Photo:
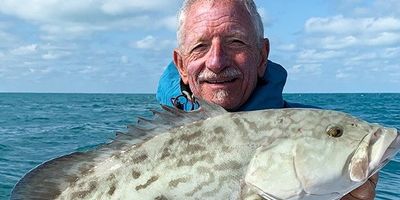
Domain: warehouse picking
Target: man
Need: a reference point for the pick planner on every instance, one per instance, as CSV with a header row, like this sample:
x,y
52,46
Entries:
x,y
222,57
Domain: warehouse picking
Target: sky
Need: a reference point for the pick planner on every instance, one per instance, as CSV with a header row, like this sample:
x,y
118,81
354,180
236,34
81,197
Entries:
x,y
123,46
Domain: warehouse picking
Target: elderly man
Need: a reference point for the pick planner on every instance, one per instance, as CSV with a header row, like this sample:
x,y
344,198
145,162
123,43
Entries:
x,y
222,57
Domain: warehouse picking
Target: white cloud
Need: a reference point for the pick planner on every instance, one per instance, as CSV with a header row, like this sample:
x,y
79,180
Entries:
x,y
152,43
335,42
386,7
25,50
391,53
342,75
50,55
356,35
88,70
341,25
360,58
58,18
118,7
364,57
312,55
385,38
306,69
169,22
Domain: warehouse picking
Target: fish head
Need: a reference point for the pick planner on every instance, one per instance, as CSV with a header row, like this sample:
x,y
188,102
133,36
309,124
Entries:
x,y
321,155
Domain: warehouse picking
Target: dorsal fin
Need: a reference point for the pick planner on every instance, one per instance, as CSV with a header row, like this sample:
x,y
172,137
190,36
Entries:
x,y
171,117
49,179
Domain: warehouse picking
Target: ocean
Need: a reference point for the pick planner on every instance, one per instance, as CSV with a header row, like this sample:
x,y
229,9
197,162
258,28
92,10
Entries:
x,y
37,127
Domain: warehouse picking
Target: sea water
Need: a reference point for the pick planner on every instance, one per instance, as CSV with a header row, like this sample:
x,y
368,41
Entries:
x,y
38,127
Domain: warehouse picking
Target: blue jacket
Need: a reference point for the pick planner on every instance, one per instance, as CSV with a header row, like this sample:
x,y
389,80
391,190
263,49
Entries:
x,y
265,96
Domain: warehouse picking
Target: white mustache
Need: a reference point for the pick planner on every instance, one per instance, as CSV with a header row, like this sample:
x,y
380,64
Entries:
x,y
227,74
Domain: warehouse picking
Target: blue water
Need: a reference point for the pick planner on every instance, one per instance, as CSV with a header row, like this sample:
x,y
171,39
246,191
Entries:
x,y
38,127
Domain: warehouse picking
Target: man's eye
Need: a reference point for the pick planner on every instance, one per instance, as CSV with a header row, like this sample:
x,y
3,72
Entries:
x,y
199,47
237,42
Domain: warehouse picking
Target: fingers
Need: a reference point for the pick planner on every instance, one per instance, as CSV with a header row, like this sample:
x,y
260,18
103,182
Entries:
x,y
374,179
365,191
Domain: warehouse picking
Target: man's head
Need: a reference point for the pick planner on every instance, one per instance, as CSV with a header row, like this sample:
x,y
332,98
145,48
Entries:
x,y
221,50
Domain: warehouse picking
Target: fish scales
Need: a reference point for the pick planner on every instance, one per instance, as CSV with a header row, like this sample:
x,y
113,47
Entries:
x,y
210,154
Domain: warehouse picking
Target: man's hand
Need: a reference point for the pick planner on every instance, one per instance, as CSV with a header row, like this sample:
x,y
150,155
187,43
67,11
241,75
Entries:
x,y
365,191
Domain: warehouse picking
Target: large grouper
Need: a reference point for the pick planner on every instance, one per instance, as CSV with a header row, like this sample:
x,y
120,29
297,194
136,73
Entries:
x,y
214,154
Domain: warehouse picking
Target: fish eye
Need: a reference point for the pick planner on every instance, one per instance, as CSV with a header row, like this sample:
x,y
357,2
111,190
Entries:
x,y
335,131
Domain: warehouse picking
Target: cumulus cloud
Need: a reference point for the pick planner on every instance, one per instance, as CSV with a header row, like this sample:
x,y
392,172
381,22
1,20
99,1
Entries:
x,y
152,43
312,55
385,38
391,52
52,55
118,7
25,50
339,32
385,7
341,75
88,70
79,17
341,25
302,70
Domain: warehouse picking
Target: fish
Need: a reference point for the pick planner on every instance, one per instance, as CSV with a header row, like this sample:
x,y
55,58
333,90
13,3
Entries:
x,y
210,153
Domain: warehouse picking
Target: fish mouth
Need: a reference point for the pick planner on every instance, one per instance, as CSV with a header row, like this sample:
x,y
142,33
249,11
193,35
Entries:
x,y
392,150
390,153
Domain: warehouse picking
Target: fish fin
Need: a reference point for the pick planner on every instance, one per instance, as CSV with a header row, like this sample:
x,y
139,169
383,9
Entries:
x,y
252,192
359,164
247,192
167,119
48,180
211,109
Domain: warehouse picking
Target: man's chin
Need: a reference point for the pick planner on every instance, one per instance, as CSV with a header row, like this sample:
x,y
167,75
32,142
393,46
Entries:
x,y
224,99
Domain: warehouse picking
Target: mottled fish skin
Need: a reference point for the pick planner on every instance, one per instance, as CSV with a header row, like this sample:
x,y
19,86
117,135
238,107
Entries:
x,y
204,159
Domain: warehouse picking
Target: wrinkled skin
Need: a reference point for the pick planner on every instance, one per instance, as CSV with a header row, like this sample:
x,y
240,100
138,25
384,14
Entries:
x,y
219,43
222,47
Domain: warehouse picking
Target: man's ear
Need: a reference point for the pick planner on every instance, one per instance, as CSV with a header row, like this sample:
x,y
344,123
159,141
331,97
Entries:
x,y
179,65
264,58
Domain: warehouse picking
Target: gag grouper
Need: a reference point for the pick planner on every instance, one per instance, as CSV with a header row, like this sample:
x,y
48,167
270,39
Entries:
x,y
214,154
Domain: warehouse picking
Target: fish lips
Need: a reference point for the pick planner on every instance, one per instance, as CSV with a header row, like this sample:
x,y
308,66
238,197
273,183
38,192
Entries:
x,y
389,154
374,151
392,150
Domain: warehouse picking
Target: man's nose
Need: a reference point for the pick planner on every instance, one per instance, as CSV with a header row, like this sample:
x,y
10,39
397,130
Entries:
x,y
218,58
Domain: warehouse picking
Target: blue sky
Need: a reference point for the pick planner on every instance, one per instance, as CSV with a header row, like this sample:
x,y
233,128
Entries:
x,y
122,46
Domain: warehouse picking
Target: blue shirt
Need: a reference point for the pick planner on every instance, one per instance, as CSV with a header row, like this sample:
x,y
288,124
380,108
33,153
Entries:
x,y
264,96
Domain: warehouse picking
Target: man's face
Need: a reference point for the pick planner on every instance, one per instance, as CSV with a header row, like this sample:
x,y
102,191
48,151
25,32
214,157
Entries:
x,y
219,57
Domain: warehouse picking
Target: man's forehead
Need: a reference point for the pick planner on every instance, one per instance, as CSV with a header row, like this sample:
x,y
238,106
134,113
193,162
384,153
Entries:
x,y
204,13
